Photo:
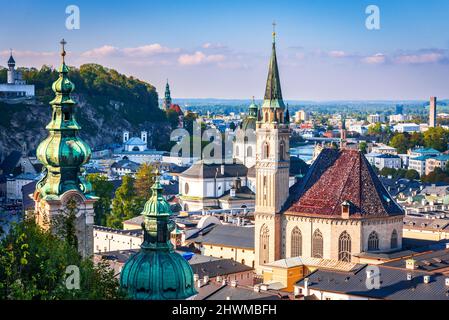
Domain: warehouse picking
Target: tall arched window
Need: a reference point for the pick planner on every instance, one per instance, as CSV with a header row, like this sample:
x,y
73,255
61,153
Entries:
x,y
344,247
264,242
237,151
373,241
266,150
249,152
317,244
186,188
394,239
282,151
266,116
296,243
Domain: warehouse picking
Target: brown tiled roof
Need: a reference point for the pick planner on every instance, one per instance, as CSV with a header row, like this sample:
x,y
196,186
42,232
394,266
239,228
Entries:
x,y
338,176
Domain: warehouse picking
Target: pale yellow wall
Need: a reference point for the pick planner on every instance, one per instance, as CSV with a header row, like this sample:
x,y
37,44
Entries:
x,y
237,254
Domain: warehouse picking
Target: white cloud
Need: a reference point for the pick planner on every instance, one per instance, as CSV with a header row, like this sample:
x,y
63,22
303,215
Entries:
x,y
378,58
337,54
199,58
104,51
431,57
135,52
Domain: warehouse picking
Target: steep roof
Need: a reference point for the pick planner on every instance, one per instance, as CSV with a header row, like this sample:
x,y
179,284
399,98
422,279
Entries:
x,y
337,176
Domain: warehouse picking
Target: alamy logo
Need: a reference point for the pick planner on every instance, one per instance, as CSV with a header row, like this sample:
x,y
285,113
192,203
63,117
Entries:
x,y
372,22
72,281
73,20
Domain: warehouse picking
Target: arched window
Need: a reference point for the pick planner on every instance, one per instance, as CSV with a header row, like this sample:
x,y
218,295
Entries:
x,y
282,151
243,261
186,188
344,247
266,116
317,244
266,150
296,243
394,239
249,152
373,241
237,151
264,241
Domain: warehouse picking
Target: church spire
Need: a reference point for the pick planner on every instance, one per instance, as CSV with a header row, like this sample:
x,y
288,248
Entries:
x,y
273,92
167,97
63,153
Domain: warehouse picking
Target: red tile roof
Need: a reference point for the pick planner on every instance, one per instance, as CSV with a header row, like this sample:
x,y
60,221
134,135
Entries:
x,y
176,108
337,176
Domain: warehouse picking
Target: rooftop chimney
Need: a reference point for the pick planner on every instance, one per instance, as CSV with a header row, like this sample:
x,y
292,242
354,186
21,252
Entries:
x,y
426,279
345,209
410,264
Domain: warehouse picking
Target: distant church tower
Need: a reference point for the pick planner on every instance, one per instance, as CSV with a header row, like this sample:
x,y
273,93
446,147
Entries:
x,y
272,167
63,191
11,70
167,97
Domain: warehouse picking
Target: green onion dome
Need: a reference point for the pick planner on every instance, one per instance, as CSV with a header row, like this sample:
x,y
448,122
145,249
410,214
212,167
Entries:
x,y
249,123
63,153
157,272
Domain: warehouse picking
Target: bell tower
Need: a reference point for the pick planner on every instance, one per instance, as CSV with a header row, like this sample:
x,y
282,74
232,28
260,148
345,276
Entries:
x,y
272,166
63,191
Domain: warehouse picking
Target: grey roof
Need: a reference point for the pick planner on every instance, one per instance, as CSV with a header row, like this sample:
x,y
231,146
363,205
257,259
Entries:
x,y
221,267
227,236
214,291
425,262
243,193
393,284
126,164
202,170
135,141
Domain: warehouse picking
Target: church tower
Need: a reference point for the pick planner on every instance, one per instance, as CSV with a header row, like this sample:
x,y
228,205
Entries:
x,y
272,167
63,191
11,70
167,97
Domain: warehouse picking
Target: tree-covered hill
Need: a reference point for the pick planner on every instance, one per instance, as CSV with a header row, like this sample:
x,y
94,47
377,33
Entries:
x,y
109,102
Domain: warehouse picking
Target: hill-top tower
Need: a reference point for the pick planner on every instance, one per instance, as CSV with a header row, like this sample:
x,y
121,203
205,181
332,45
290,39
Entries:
x,y
63,190
272,165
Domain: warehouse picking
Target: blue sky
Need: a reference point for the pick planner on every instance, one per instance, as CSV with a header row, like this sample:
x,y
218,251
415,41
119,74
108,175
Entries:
x,y
220,48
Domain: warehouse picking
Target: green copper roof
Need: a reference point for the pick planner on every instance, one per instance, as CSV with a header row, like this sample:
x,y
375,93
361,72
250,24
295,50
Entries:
x,y
157,272
63,153
273,92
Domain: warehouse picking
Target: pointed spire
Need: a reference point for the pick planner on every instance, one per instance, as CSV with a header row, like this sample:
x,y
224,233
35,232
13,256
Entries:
x,y
287,115
273,92
11,61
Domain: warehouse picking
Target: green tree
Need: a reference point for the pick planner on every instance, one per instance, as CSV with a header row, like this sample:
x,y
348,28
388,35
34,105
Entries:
x,y
363,147
438,175
172,118
400,142
103,189
125,205
145,177
436,138
33,263
385,172
412,175
375,129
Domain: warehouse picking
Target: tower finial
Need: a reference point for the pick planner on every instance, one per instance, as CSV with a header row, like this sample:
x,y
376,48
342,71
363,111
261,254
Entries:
x,y
274,31
63,53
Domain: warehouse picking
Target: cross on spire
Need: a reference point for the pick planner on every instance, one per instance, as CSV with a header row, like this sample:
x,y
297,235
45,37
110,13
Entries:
x,y
274,31
63,53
